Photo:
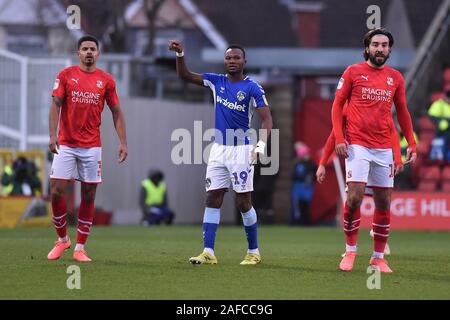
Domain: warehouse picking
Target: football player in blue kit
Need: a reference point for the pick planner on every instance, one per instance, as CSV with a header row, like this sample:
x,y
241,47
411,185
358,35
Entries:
x,y
236,97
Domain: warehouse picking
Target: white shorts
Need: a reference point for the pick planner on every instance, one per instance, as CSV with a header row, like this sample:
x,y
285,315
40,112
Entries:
x,y
83,164
372,166
230,165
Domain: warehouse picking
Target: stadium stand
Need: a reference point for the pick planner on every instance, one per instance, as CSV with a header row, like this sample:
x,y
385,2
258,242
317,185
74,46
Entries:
x,y
446,179
429,178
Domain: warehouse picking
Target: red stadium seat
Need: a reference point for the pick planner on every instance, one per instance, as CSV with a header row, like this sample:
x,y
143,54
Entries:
x,y
446,75
430,173
446,173
426,134
425,124
436,96
427,186
446,186
429,178
446,179
425,138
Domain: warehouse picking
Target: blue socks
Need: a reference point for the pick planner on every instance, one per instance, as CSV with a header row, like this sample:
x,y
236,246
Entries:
x,y
251,229
211,219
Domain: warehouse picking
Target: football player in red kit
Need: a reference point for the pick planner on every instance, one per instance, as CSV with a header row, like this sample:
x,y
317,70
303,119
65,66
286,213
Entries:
x,y
370,87
79,95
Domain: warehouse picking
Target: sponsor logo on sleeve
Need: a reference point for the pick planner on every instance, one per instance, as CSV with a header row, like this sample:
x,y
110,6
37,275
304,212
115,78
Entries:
x,y
56,84
341,83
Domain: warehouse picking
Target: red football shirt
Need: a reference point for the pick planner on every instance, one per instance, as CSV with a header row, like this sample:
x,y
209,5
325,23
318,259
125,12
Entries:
x,y
83,94
370,93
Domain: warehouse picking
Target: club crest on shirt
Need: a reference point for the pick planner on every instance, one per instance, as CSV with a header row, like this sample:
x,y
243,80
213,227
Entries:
x,y
341,83
99,84
222,89
349,174
207,183
240,95
56,84
390,81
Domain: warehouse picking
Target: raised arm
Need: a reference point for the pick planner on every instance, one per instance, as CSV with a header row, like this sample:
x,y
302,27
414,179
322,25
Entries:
x,y
182,70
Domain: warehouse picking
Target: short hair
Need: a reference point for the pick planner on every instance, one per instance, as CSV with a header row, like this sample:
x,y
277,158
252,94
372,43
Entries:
x,y
236,46
369,35
87,37
155,174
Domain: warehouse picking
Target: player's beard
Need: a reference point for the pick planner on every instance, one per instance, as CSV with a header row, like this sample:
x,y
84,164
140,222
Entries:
x,y
378,63
89,61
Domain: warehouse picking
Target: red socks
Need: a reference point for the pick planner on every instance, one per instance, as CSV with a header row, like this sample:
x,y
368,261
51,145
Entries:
x,y
85,219
59,216
381,224
351,225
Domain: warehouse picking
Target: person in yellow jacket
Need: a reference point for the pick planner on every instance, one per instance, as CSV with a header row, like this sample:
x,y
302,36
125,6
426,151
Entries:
x,y
21,179
439,112
153,200
7,185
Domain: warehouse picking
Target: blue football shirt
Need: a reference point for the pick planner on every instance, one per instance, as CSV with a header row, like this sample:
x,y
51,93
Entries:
x,y
234,103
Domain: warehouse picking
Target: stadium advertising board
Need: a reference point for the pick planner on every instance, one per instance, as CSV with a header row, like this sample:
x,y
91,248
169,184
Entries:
x,y
413,211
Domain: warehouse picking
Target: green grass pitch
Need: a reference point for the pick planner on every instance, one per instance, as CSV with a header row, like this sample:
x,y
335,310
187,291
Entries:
x,y
152,263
